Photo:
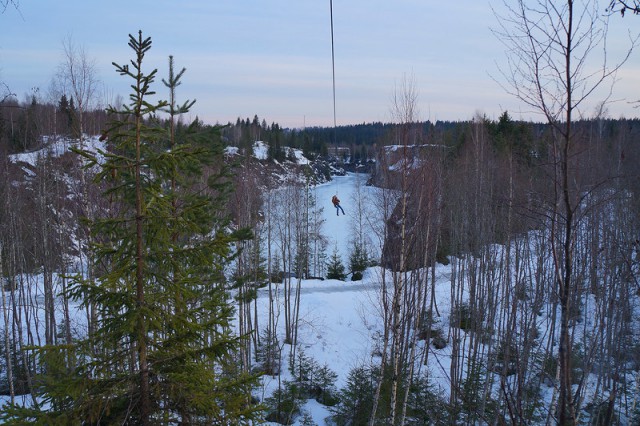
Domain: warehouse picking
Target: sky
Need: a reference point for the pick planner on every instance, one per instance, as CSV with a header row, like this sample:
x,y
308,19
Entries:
x,y
272,58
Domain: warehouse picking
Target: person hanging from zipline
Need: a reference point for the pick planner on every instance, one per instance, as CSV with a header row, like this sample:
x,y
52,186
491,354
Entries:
x,y
336,203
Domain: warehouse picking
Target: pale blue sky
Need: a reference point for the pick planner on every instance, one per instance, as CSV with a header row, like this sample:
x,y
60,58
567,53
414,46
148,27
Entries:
x,y
273,57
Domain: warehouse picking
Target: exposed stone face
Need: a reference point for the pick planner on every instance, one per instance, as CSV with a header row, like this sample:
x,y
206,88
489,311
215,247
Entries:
x,y
422,221
419,244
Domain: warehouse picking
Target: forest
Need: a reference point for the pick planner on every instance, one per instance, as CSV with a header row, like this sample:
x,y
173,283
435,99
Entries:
x,y
156,270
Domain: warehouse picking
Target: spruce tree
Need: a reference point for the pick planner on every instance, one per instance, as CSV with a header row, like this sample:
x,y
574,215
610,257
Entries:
x,y
335,267
358,261
65,124
164,351
356,399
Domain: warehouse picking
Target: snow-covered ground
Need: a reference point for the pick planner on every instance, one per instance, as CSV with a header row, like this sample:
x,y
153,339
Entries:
x,y
334,330
340,325
56,147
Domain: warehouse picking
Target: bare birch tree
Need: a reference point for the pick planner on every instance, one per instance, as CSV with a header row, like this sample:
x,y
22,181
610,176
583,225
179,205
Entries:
x,y
552,47
77,77
397,301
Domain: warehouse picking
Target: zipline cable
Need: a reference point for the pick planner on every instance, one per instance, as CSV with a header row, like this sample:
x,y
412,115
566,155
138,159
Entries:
x,y
333,75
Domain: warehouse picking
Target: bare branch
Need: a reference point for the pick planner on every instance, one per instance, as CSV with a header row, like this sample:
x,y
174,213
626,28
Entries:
x,y
404,100
535,38
622,6
8,93
77,77
4,4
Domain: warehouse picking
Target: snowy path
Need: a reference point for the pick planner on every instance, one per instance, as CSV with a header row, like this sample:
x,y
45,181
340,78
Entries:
x,y
327,286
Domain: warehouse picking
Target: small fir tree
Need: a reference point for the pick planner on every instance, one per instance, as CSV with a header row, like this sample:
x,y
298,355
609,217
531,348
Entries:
x,y
303,370
307,419
326,389
268,353
335,268
358,261
284,405
356,399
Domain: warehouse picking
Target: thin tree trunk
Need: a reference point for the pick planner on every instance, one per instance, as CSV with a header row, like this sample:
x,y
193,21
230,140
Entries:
x,y
141,328
7,339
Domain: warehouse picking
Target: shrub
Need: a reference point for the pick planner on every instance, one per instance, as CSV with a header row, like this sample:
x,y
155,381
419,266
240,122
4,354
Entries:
x,y
268,354
307,420
356,399
506,359
463,318
314,381
326,390
430,330
284,404
19,369
424,406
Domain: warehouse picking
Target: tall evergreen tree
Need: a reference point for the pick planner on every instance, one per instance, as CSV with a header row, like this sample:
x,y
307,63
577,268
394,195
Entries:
x,y
66,119
72,122
164,351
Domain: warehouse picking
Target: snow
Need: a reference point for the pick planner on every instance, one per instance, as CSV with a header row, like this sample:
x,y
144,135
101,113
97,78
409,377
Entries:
x,y
57,147
340,327
334,330
299,156
260,150
232,150
394,148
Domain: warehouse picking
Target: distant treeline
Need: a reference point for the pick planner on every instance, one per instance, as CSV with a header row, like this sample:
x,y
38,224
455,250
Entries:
x,y
23,125
362,139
